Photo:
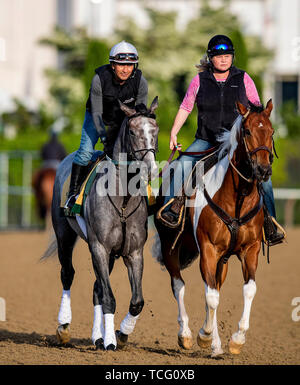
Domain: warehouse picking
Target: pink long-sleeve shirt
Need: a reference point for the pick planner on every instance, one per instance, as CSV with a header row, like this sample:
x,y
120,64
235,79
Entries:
x,y
190,96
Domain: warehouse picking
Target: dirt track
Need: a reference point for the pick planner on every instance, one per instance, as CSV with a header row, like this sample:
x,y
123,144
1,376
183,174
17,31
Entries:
x,y
32,293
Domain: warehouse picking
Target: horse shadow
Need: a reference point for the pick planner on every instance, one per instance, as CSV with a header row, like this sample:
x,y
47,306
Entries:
x,y
43,340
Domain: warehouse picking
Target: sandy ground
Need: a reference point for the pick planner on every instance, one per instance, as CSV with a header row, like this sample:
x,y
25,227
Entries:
x,y
32,292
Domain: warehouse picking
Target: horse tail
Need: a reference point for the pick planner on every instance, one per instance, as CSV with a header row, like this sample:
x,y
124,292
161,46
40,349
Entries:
x,y
51,250
156,249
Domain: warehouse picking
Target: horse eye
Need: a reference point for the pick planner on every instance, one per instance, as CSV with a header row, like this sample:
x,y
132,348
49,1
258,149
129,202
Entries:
x,y
131,133
247,132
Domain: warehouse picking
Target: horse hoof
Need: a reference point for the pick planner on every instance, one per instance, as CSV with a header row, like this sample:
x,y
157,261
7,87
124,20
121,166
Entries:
x,y
185,342
204,341
122,339
216,352
110,347
235,348
99,343
63,334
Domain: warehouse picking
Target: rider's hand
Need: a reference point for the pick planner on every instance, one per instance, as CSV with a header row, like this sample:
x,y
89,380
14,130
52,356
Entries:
x,y
173,143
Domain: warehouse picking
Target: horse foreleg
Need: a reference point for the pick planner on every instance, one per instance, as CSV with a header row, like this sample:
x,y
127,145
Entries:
x,y
100,259
249,265
205,334
238,339
98,331
134,264
184,334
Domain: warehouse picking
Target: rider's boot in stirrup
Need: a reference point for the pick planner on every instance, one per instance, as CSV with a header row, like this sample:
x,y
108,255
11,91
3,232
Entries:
x,y
171,214
272,235
77,177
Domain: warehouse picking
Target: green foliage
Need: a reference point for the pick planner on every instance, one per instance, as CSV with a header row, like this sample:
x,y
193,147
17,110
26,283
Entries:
x,y
79,55
291,119
96,56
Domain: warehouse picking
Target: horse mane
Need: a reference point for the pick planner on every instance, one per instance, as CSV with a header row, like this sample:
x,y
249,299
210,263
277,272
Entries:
x,y
228,139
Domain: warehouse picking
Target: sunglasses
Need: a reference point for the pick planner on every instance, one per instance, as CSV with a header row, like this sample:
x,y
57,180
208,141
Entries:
x,y
125,56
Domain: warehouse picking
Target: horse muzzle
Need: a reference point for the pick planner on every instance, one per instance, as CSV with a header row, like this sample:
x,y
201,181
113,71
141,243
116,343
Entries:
x,y
262,172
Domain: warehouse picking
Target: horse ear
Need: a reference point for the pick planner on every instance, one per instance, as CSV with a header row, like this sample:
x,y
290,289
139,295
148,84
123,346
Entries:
x,y
241,108
268,108
128,111
154,104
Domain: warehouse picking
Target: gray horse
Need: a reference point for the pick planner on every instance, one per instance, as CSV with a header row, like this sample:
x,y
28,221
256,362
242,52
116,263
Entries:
x,y
115,225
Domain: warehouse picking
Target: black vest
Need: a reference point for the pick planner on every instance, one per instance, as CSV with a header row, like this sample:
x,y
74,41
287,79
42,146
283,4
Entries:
x,y
216,102
112,91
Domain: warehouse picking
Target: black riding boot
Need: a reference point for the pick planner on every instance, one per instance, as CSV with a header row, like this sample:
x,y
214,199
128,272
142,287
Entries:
x,y
77,177
273,237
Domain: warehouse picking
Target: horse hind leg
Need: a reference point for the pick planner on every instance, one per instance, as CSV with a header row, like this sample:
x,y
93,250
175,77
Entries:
x,y
185,340
65,250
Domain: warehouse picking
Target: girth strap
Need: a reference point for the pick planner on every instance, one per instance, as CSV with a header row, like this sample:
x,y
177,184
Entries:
x,y
233,224
123,217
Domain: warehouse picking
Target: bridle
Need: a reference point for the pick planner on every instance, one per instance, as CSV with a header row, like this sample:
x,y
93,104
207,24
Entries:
x,y
131,151
250,153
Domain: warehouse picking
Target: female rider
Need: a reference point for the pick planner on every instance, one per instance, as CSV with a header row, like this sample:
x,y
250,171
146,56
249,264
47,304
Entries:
x,y
215,90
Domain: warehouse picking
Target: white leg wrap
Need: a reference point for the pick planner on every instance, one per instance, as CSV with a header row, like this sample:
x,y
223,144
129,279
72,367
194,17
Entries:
x,y
110,337
128,323
65,313
98,327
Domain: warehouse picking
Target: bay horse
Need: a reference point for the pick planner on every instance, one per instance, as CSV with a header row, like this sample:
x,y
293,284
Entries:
x,y
116,226
224,217
42,184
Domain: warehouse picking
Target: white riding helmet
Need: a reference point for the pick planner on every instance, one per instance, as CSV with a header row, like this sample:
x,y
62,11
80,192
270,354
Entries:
x,y
124,53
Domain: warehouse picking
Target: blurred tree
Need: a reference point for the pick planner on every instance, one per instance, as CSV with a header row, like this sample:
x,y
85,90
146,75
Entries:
x,y
291,119
78,55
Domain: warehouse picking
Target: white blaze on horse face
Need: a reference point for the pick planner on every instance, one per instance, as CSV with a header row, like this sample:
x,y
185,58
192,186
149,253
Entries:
x,y
183,319
150,157
260,124
65,314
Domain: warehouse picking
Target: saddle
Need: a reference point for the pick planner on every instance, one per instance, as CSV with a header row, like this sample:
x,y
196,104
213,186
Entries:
x,y
77,209
178,203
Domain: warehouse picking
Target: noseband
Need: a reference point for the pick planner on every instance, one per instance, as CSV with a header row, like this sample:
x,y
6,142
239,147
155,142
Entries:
x,y
132,152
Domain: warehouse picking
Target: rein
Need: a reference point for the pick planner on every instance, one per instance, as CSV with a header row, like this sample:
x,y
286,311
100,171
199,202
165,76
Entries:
x,y
209,151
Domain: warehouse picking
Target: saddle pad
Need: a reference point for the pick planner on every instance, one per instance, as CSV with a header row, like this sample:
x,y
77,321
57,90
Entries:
x,y
86,184
86,187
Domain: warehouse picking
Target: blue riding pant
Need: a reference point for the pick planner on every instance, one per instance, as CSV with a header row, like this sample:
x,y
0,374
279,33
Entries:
x,y
89,138
186,164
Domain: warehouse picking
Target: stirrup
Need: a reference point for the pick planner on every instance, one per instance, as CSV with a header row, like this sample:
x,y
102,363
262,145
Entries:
x,y
69,206
280,236
160,217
